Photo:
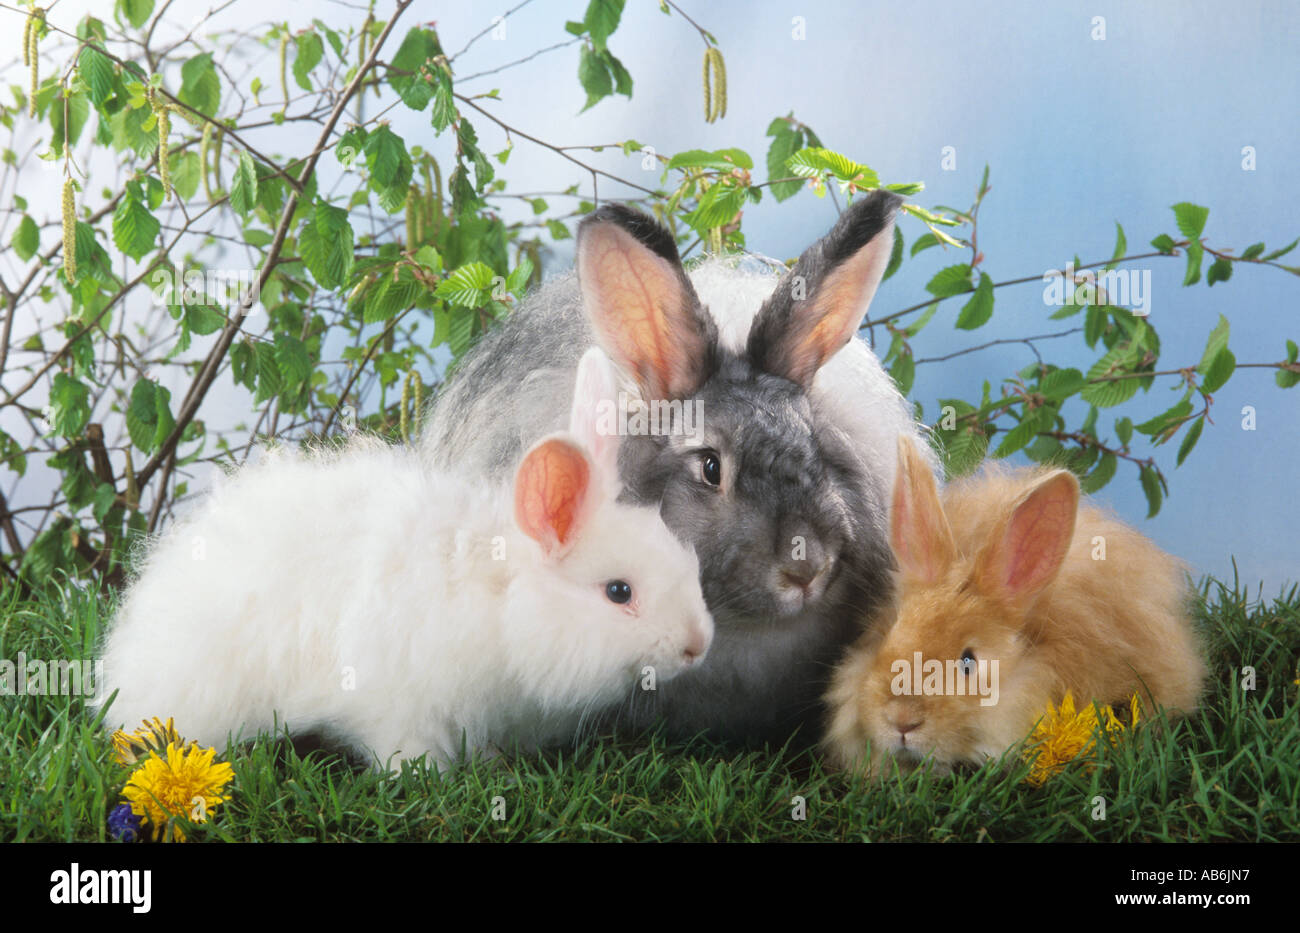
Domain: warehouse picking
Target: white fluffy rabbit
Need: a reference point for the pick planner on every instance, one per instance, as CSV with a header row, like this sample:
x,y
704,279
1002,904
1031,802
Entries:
x,y
407,611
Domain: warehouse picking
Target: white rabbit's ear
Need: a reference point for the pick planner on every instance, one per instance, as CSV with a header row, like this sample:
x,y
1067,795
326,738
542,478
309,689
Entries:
x,y
554,494
593,419
818,306
1025,553
644,310
919,531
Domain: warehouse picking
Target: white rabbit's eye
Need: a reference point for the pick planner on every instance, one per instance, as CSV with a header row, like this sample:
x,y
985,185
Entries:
x,y
618,591
711,469
968,661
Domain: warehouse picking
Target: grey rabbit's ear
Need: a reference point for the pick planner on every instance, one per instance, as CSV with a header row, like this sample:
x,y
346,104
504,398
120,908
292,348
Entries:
x,y
645,312
818,306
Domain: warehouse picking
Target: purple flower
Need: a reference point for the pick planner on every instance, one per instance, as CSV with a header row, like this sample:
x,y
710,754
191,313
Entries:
x,y
123,824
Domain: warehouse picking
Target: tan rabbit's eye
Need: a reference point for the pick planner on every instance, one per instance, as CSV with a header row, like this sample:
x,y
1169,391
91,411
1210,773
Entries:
x,y
968,661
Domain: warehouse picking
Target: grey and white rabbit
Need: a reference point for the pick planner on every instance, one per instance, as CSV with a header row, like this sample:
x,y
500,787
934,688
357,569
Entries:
x,y
783,489
403,611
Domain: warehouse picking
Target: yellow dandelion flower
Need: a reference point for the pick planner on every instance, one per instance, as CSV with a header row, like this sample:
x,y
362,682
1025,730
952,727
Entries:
x,y
154,735
186,783
1064,734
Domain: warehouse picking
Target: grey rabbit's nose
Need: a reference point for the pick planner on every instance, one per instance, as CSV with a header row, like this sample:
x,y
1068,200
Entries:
x,y
802,573
801,577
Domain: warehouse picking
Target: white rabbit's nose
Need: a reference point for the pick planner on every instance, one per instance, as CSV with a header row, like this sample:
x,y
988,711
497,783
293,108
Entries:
x,y
697,643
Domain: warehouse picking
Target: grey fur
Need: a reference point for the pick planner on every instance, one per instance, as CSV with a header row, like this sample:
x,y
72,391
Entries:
x,y
795,472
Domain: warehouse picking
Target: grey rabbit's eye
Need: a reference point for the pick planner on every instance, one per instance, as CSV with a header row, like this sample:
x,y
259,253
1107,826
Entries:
x,y
711,469
618,591
968,661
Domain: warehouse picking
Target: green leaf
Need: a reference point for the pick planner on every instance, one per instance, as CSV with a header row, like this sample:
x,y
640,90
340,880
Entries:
x,y
602,19
904,371
326,245
203,319
142,415
979,309
1101,474
1189,439
1121,245
1278,253
97,71
1112,392
243,186
786,141
963,451
310,50
1060,384
1215,344
1162,423
78,111
1195,253
723,159
135,229
911,330
444,101
1191,219
292,359
1124,430
135,12
895,255
1164,243
105,496
26,240
1024,432
1220,271
470,286
419,46
954,280
69,405
389,163
1151,487
924,241
717,207
622,80
594,77
813,161
200,85
1219,371
185,174
1252,251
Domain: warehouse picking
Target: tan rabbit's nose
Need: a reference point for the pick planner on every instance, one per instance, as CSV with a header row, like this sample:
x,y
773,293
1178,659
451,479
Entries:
x,y
908,722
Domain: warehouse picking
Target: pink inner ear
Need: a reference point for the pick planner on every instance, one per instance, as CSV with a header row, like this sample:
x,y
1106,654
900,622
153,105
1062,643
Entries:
x,y
550,494
837,309
919,530
636,300
1038,537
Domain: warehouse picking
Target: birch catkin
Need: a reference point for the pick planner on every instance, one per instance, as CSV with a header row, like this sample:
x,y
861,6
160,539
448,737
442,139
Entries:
x,y
164,153
31,55
69,230
205,147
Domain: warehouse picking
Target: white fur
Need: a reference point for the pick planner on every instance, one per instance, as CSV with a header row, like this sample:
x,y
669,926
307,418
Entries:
x,y
301,573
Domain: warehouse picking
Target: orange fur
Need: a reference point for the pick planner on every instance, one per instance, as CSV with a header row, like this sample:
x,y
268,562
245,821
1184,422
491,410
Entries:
x,y
1102,629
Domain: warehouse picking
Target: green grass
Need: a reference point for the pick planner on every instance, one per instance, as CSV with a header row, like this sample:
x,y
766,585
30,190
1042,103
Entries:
x,y
1230,772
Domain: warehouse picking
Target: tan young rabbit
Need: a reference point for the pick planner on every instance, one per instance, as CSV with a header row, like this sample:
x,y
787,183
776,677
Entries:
x,y
1005,586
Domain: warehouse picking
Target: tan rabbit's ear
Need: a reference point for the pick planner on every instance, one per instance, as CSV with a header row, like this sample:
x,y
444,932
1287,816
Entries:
x,y
1026,552
919,531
